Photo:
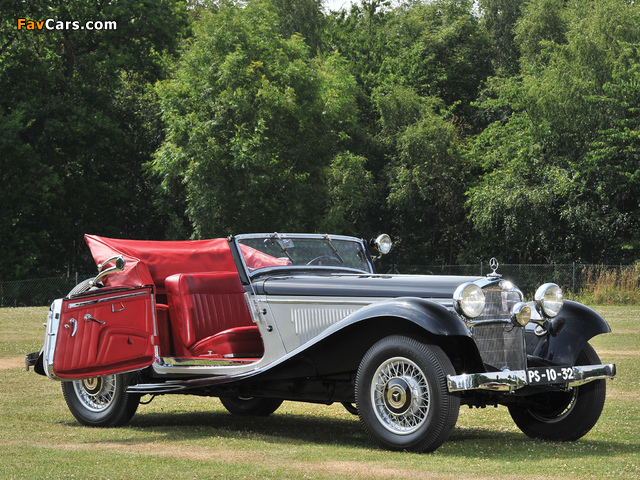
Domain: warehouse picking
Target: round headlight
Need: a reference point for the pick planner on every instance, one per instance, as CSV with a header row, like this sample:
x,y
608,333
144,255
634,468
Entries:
x,y
549,300
468,299
383,244
521,313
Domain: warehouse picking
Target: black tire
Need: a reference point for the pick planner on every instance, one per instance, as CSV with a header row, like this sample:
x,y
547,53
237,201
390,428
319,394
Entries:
x,y
564,416
402,396
251,406
101,401
350,407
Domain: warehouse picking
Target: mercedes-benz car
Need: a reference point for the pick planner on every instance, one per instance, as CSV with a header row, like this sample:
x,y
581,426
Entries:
x,y
262,318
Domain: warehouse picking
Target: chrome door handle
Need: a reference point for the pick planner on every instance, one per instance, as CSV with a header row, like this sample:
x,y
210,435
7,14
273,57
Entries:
x,y
74,322
113,308
89,318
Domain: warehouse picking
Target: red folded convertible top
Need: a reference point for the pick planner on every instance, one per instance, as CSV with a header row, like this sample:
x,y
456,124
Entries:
x,y
149,262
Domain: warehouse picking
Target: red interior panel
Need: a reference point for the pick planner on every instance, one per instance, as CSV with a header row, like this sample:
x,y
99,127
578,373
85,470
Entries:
x,y
105,333
203,305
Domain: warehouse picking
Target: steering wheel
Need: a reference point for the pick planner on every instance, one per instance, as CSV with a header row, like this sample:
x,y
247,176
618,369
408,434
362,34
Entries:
x,y
325,260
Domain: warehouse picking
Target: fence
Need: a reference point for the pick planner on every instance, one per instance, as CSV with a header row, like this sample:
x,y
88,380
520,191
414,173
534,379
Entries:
x,y
571,277
37,292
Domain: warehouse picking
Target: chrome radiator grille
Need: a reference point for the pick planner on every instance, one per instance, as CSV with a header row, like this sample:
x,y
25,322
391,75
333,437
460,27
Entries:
x,y
498,304
501,345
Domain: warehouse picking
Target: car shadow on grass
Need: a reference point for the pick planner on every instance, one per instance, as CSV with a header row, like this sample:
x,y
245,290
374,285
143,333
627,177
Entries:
x,y
497,444
292,428
276,428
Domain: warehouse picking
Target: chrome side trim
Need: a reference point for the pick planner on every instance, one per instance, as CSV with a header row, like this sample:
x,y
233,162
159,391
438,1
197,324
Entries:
x,y
320,301
513,380
309,322
106,299
49,348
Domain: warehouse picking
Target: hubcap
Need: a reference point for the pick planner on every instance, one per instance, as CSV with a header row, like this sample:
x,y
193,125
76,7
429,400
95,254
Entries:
x,y
397,396
400,395
96,394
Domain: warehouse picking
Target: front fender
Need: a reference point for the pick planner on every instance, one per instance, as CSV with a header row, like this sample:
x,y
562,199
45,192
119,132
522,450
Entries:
x,y
431,316
344,344
568,333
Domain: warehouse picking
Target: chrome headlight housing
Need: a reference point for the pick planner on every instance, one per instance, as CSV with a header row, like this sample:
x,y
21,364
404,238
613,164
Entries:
x,y
468,300
383,244
521,314
549,300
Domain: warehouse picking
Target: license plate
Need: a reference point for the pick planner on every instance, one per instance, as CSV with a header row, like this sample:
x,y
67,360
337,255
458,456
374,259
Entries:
x,y
548,375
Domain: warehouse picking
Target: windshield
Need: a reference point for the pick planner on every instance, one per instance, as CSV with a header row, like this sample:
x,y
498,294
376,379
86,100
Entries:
x,y
274,250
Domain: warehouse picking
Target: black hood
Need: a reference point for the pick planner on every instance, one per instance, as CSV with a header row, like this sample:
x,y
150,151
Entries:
x,y
365,285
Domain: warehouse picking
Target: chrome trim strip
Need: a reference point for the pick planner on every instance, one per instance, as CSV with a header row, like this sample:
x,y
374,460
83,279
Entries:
x,y
204,362
276,300
590,373
513,380
494,381
106,299
272,299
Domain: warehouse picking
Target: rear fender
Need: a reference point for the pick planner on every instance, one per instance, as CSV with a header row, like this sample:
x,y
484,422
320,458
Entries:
x,y
567,334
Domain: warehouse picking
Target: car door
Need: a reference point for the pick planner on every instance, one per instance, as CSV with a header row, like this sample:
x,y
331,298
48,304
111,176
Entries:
x,y
111,331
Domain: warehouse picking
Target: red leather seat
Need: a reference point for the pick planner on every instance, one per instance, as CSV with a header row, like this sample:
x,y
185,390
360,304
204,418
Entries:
x,y
210,316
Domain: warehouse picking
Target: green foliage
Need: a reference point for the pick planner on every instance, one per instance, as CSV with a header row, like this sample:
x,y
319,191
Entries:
x,y
554,158
302,17
426,175
77,126
498,18
350,187
463,128
439,49
252,122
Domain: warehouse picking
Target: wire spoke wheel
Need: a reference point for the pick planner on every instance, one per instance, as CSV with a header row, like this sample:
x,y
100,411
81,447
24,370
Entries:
x,y
400,393
97,393
101,401
402,397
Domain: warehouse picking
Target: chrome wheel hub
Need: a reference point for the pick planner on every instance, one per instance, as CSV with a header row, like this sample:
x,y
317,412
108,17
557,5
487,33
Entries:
x,y
400,395
96,394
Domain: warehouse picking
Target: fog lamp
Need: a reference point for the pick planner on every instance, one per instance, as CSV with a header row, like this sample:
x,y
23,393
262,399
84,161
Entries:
x,y
521,313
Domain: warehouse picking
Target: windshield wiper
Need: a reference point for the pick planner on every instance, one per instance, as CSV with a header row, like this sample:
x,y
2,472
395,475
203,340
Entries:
x,y
328,239
280,243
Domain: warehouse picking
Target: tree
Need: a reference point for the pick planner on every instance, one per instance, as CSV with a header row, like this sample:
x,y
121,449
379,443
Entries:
x,y
426,176
499,17
547,193
75,109
439,50
253,121
302,17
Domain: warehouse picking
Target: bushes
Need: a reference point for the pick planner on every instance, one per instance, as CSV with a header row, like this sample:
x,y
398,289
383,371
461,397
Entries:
x,y
610,286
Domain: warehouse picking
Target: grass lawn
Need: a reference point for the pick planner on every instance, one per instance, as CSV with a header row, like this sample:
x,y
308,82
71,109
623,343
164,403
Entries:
x,y
181,437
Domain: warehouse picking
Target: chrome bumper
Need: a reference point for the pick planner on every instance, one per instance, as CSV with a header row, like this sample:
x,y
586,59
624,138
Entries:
x,y
31,359
507,381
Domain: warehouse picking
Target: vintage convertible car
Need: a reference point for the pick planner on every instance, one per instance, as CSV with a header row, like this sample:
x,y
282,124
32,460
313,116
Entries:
x,y
258,319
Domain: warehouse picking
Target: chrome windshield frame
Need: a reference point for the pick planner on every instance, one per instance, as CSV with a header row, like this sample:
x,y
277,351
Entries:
x,y
237,239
